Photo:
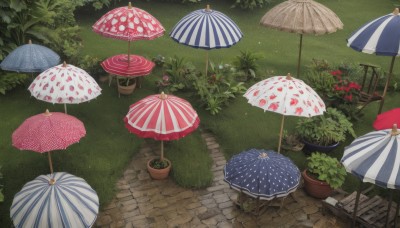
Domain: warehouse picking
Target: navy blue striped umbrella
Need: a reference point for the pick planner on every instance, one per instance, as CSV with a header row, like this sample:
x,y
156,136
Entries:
x,y
55,200
374,158
381,37
207,29
262,174
30,58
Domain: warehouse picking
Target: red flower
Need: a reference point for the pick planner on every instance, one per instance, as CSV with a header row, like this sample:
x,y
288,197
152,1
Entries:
x,y
348,97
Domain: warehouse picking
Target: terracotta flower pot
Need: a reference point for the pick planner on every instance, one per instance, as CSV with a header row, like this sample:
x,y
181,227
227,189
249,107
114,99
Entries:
x,y
316,188
126,90
159,174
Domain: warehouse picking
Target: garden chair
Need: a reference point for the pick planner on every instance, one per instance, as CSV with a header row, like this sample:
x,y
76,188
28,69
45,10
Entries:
x,y
369,83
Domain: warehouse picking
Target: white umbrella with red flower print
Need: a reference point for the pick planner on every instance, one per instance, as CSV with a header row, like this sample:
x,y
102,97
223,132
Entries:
x,y
130,24
162,117
48,131
64,84
285,95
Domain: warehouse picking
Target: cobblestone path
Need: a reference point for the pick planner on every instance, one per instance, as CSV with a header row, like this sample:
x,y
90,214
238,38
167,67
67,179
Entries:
x,y
143,202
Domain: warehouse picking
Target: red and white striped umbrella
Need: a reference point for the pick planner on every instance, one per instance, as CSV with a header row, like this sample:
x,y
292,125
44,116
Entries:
x,y
129,23
119,65
47,131
162,117
64,84
285,95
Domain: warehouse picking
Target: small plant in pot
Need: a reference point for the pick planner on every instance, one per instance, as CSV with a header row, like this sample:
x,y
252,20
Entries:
x,y
126,85
159,168
322,175
324,132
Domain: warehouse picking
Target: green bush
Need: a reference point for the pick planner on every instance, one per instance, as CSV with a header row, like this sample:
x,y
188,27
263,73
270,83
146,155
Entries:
x,y
251,4
179,73
9,81
326,168
246,65
91,65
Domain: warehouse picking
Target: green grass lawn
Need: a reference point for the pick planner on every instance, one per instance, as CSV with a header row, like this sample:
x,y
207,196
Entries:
x,y
102,154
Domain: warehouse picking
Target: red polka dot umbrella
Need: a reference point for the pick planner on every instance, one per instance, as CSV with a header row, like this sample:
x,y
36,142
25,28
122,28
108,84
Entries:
x,y
162,117
64,84
129,23
119,65
47,131
285,95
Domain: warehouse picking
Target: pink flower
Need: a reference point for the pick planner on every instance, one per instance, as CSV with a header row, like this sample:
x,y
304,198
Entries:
x,y
165,78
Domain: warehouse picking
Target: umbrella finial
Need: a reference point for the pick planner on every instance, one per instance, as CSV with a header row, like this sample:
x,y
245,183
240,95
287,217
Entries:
x,y
263,155
52,181
64,64
47,113
289,76
129,5
394,131
208,7
396,11
163,96
30,41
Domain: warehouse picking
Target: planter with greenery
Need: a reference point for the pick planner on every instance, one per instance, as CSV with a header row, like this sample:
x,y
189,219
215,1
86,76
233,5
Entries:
x,y
126,86
324,130
159,168
322,175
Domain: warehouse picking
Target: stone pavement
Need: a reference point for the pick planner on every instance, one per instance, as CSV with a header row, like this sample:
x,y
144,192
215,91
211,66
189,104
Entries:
x,y
143,202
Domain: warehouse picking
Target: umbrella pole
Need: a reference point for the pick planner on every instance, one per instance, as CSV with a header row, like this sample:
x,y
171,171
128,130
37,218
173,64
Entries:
x,y
356,204
50,162
280,134
387,84
65,108
299,59
389,208
162,150
206,63
129,50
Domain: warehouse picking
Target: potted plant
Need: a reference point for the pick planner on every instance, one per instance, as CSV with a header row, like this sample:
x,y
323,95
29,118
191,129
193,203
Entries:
x,y
322,175
126,85
324,132
159,168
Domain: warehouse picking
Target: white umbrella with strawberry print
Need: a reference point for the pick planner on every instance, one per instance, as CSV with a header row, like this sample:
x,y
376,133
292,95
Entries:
x,y
64,84
285,95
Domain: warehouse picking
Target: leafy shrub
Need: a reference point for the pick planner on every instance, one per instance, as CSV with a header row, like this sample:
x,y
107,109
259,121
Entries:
x,y
250,4
91,65
9,81
217,89
179,72
159,60
246,65
326,168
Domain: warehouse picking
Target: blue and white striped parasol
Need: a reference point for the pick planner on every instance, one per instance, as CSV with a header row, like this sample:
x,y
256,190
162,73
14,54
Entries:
x,y
374,158
207,29
381,37
262,174
30,58
55,200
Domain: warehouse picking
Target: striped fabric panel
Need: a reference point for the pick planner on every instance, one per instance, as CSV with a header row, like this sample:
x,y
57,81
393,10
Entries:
x,y
70,202
374,158
207,30
380,36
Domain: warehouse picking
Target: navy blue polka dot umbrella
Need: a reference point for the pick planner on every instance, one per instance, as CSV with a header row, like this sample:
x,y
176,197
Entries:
x,y
262,174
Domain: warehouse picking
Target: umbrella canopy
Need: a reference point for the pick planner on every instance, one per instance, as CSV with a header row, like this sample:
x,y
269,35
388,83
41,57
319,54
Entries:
x,y
128,23
374,158
30,58
48,131
381,37
262,174
387,119
206,29
302,17
285,95
64,84
119,65
55,200
162,117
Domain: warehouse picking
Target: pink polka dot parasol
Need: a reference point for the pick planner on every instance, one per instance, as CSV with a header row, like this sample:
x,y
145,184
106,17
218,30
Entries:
x,y
64,84
285,95
47,131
